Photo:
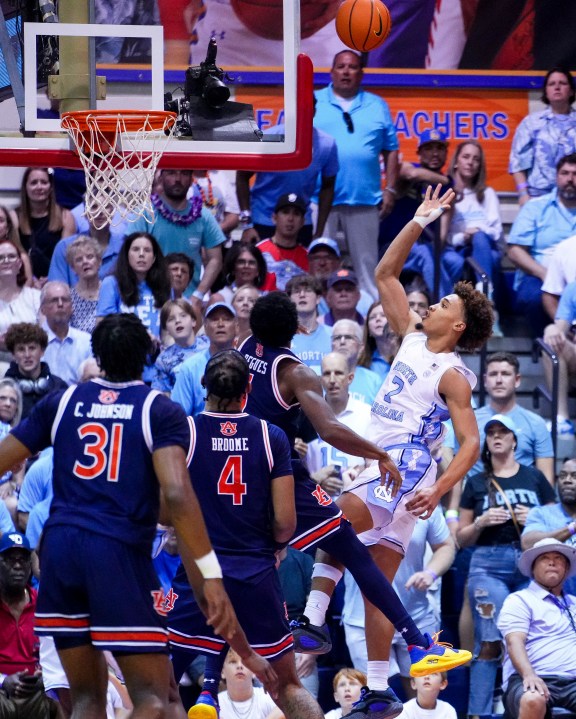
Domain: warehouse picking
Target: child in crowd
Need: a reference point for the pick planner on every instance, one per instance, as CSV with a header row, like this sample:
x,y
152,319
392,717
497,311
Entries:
x,y
426,705
241,698
347,685
177,320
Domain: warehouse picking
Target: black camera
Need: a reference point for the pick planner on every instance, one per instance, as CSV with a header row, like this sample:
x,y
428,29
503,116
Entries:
x,y
207,80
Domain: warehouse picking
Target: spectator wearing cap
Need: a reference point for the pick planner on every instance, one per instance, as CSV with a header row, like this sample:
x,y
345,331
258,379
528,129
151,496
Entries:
x,y
221,329
257,204
539,626
556,521
22,692
312,344
493,510
342,297
347,340
362,126
413,179
285,258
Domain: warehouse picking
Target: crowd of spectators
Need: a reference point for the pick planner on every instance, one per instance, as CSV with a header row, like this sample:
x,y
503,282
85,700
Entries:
x,y
193,276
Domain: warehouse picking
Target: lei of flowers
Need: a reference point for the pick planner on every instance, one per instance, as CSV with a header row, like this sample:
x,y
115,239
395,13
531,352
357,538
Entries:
x,y
178,218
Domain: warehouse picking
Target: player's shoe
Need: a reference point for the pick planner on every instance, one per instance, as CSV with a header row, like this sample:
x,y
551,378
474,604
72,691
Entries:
x,y
437,657
308,638
206,707
376,704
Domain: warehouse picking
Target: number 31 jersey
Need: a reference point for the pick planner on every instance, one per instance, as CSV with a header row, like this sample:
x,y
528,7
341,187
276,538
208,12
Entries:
x,y
104,434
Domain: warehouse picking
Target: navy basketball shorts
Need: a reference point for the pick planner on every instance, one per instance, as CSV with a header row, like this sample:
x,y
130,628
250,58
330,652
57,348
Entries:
x,y
393,524
259,606
318,516
100,591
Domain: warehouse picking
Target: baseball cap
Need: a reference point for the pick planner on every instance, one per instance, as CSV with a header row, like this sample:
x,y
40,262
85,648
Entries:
x,y
432,136
291,199
325,242
216,305
14,540
548,544
501,419
342,275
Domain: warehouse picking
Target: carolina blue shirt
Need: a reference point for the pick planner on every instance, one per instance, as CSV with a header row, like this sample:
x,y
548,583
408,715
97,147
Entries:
x,y
203,233
311,348
37,484
269,186
567,305
188,391
358,180
540,225
6,523
61,270
110,302
365,385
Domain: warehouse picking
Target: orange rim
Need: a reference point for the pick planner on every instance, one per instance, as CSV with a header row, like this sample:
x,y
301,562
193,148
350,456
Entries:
x,y
107,120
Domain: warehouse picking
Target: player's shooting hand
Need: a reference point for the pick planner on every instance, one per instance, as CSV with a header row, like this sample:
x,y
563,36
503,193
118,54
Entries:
x,y
424,502
218,610
389,475
264,671
434,203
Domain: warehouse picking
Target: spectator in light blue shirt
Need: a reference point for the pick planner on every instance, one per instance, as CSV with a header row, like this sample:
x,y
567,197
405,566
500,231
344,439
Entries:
x,y
541,224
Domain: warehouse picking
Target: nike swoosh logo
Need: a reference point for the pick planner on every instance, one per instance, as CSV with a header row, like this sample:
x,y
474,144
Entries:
x,y
379,32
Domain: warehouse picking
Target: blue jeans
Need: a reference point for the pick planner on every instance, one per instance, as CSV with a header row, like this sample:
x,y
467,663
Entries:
x,y
529,303
481,248
493,576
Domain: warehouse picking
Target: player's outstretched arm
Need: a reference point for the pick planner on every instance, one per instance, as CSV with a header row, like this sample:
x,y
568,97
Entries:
x,y
401,319
307,389
12,453
458,395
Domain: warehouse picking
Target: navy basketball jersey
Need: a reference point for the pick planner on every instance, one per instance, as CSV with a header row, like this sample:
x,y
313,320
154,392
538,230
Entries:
x,y
233,459
103,435
264,400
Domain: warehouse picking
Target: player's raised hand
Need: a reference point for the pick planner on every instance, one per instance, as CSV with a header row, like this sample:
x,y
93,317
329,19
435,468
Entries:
x,y
390,476
264,671
434,205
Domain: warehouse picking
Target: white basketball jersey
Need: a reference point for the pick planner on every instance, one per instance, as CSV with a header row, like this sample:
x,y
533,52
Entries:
x,y
408,407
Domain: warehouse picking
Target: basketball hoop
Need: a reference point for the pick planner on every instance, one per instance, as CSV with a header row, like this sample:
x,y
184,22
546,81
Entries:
x,y
119,151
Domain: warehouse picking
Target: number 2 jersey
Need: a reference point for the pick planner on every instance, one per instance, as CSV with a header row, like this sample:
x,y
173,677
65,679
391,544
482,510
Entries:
x,y
104,434
408,407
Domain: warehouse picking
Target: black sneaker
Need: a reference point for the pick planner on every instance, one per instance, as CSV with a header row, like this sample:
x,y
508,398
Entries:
x,y
376,704
308,638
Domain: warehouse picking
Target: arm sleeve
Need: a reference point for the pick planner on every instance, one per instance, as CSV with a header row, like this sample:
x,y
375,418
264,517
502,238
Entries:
x,y
522,152
524,228
515,615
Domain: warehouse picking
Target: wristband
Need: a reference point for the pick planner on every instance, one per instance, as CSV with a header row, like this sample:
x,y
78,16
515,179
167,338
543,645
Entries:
x,y
391,190
209,566
432,574
521,185
572,528
423,221
451,519
451,514
198,295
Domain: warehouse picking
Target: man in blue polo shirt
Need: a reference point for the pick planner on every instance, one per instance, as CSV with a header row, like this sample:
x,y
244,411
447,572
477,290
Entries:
x,y
362,126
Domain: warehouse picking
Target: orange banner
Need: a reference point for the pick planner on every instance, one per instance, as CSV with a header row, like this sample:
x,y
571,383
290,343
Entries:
x,y
488,116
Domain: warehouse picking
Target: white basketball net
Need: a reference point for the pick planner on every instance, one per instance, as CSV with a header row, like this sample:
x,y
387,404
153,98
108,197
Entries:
x,y
119,165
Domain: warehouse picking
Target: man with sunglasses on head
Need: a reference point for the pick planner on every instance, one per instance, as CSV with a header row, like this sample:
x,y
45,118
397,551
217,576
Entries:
x,y
362,126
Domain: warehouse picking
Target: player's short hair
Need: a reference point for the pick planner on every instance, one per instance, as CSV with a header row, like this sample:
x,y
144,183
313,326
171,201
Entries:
x,y
25,333
478,315
226,376
274,319
349,673
121,344
508,357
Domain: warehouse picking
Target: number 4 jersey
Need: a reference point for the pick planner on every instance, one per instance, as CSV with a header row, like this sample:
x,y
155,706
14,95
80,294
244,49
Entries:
x,y
103,435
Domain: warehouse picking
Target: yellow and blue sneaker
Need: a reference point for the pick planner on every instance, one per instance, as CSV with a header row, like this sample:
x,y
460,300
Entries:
x,y
206,707
437,657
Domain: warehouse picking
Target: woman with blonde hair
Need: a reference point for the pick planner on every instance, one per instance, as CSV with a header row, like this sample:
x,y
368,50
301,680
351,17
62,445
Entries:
x,y
84,255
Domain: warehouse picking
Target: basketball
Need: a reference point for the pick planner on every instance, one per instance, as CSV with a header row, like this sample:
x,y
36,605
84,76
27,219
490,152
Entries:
x,y
363,25
264,17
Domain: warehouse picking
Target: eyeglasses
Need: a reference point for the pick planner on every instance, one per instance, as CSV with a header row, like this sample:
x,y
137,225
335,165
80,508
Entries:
x,y
348,120
246,263
345,338
57,300
8,258
565,475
